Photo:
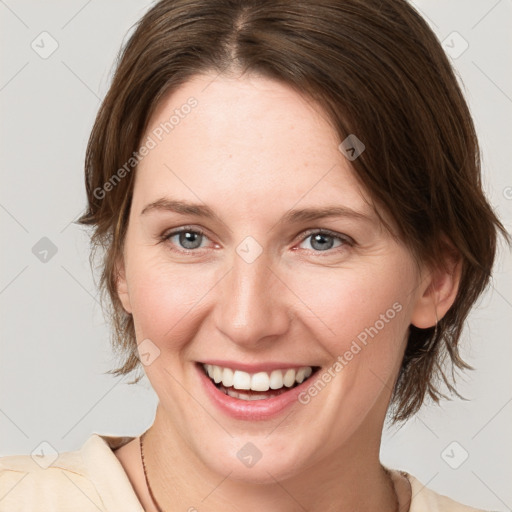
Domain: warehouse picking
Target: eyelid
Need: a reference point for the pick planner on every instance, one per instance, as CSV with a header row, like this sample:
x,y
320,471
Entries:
x,y
340,236
332,252
347,240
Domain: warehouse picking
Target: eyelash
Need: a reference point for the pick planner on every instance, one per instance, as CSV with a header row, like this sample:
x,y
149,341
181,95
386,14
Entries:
x,y
346,240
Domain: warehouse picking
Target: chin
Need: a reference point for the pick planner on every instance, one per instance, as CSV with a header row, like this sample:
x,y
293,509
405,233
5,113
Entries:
x,y
256,459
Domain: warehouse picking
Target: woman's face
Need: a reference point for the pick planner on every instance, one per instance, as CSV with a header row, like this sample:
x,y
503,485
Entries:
x,y
276,281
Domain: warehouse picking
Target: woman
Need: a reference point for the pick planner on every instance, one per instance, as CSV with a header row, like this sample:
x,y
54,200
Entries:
x,y
289,201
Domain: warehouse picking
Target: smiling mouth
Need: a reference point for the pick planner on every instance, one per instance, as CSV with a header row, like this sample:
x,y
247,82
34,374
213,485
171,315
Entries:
x,y
257,386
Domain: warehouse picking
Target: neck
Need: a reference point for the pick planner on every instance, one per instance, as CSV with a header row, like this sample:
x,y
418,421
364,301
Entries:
x,y
341,482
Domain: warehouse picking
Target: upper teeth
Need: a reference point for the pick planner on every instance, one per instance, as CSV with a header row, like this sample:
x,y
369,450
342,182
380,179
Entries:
x,y
261,381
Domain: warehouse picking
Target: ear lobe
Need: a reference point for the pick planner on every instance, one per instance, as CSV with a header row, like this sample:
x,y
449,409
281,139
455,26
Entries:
x,y
439,290
122,286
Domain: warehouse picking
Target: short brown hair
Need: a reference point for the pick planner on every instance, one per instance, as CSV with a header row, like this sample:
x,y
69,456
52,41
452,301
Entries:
x,y
377,71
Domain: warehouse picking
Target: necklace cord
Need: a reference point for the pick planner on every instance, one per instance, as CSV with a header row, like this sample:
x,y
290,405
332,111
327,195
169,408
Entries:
x,y
155,503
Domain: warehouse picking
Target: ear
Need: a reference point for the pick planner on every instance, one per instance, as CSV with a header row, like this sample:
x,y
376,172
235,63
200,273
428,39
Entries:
x,y
122,285
438,289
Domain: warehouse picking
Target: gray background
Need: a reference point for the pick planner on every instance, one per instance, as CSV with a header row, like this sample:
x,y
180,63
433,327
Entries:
x,y
54,346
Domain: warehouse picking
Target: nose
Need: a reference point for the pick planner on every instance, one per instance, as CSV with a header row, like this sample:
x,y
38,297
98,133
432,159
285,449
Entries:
x,y
251,309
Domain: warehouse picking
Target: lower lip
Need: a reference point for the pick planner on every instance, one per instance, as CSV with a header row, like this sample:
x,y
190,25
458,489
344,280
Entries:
x,y
250,409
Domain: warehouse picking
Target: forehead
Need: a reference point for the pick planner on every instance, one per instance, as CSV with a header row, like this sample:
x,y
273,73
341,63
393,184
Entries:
x,y
251,141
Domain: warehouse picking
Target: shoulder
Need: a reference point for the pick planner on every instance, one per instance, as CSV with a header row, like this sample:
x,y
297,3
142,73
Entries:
x,y
33,482
427,500
84,479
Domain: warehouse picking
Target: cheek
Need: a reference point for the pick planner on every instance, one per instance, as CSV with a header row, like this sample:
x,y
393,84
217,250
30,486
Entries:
x,y
359,305
164,298
362,317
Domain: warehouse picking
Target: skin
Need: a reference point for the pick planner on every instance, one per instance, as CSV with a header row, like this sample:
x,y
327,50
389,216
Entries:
x,y
252,150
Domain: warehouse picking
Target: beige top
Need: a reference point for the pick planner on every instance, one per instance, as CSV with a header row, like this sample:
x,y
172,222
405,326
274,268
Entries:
x,y
92,479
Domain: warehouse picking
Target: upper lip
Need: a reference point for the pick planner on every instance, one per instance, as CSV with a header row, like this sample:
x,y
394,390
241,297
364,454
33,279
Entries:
x,y
255,367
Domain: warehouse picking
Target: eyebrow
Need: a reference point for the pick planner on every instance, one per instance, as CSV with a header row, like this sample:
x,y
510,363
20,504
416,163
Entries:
x,y
164,204
292,216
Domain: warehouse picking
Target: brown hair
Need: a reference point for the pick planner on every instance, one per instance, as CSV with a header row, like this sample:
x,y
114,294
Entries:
x,y
377,71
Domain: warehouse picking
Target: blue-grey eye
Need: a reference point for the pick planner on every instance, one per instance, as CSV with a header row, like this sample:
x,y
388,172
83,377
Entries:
x,y
321,241
187,239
